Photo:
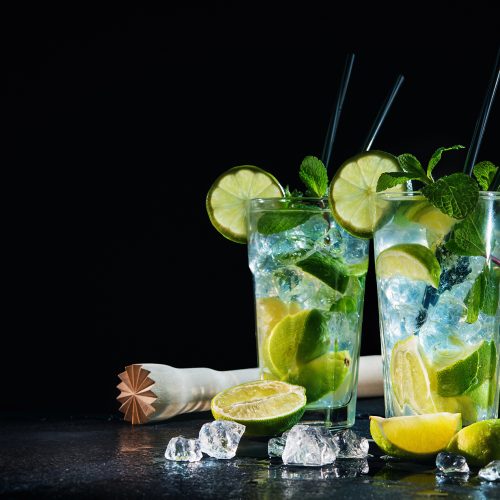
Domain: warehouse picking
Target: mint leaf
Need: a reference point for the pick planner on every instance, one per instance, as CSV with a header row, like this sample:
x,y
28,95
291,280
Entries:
x,y
467,235
489,302
326,268
276,222
474,298
484,172
455,195
413,167
391,179
436,157
313,174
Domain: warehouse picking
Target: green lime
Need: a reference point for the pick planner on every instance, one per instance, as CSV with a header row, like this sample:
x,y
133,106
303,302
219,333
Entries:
x,y
323,375
227,198
295,340
479,443
326,268
475,366
353,190
345,305
417,436
427,215
265,407
410,260
410,381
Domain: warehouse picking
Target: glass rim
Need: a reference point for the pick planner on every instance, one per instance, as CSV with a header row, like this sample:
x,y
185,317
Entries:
x,y
291,198
418,196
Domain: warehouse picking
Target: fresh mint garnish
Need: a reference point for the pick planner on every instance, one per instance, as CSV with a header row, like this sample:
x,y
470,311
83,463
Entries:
x,y
391,179
314,175
412,167
473,299
467,235
484,172
455,195
326,268
276,222
436,158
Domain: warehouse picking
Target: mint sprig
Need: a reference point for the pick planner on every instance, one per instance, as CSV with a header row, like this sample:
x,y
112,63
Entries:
x,y
314,175
467,236
436,158
484,172
483,295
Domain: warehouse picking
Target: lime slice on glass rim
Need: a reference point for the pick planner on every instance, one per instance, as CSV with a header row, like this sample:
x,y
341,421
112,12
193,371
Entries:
x,y
265,407
228,196
416,436
410,260
353,191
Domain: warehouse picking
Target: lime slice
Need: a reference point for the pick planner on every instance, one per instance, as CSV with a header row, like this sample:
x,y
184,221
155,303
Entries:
x,y
479,443
416,437
227,198
410,260
265,407
432,218
476,365
271,310
324,374
327,269
295,340
353,190
410,381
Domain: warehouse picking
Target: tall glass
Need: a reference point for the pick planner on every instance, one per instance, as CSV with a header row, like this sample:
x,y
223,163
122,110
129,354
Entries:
x,y
309,282
438,294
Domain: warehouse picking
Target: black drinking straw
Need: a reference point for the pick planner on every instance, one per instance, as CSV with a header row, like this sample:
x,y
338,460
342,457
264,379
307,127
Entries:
x,y
334,121
382,114
477,137
496,181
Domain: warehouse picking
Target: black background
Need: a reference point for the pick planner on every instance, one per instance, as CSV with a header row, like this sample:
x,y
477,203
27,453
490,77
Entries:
x,y
120,119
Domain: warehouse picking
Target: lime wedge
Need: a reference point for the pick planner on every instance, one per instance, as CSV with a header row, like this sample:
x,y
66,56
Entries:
x,y
324,374
416,437
295,340
265,407
476,365
353,190
227,198
409,378
432,218
479,443
410,260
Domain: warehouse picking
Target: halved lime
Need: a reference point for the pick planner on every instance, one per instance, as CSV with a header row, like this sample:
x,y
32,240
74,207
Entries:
x,y
410,382
479,443
353,190
295,340
265,407
432,218
476,365
410,260
227,198
418,436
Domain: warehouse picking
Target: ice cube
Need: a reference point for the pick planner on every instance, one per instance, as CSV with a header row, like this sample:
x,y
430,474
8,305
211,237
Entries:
x,y
451,463
309,445
353,467
220,438
350,444
490,472
275,446
182,449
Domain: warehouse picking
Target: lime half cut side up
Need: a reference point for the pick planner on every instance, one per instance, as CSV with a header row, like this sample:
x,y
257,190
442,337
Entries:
x,y
409,260
265,407
229,194
353,191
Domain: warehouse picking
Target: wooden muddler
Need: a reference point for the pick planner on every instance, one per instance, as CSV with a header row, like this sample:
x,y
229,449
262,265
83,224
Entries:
x,y
151,392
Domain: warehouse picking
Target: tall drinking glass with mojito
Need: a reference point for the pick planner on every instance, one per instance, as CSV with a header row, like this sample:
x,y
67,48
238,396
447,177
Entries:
x,y
437,264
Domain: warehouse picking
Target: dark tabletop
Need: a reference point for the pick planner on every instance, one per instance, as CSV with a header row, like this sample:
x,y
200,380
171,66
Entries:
x,y
103,457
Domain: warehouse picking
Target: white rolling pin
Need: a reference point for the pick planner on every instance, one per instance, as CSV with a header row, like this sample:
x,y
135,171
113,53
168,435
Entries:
x,y
151,392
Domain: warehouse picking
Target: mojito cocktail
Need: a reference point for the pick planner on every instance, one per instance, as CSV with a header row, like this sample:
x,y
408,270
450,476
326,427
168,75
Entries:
x,y
438,292
309,280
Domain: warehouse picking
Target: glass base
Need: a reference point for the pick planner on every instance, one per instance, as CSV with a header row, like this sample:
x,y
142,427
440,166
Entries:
x,y
332,418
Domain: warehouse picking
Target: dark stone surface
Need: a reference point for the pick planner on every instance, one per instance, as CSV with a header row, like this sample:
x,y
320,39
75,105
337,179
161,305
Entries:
x,y
106,458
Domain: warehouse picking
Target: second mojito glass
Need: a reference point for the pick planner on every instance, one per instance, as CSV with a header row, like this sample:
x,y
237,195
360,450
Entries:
x,y
309,282
438,292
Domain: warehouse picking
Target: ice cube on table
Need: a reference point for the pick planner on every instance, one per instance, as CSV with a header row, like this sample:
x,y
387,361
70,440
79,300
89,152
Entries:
x,y
451,463
353,467
490,472
310,446
220,438
275,446
182,449
350,445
